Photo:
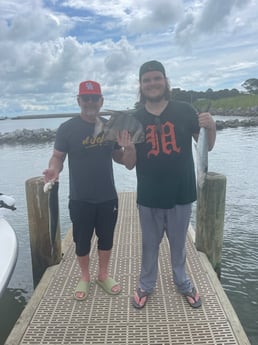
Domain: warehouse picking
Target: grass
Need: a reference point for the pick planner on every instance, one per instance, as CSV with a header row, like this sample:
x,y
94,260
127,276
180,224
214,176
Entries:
x,y
241,101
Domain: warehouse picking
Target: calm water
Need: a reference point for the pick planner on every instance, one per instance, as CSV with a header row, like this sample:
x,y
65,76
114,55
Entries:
x,y
235,155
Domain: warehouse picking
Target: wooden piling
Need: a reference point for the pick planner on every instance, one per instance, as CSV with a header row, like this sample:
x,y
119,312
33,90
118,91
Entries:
x,y
43,254
210,218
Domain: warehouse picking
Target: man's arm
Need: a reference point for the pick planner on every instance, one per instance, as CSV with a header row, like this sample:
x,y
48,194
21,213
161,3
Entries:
x,y
55,166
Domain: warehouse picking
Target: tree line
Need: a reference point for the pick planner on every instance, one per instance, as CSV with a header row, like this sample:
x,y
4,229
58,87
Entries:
x,y
250,85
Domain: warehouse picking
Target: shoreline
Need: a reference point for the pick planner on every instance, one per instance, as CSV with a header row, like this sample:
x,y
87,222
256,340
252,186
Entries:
x,y
42,135
43,116
249,112
50,116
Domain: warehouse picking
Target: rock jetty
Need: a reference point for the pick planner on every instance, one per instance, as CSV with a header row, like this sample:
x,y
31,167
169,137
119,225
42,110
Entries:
x,y
42,135
26,136
237,123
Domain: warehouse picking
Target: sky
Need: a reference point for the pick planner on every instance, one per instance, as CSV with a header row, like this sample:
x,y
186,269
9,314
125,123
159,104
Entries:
x,y
47,47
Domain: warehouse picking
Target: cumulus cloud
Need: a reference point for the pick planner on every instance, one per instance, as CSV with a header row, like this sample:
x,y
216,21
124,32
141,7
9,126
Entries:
x,y
120,56
208,17
47,48
42,60
114,8
29,21
149,16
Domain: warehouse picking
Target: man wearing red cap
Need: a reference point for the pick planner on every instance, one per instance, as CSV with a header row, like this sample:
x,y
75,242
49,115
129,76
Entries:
x,y
166,184
93,202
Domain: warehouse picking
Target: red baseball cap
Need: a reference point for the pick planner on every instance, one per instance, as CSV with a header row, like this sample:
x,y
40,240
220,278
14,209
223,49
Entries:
x,y
89,87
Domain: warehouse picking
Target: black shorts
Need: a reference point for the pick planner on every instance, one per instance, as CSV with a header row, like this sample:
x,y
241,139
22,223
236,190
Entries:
x,y
86,217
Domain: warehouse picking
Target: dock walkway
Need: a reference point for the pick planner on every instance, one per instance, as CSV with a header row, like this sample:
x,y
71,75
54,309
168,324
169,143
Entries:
x,y
52,316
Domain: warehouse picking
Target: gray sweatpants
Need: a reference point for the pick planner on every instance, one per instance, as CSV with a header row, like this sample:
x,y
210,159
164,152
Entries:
x,y
154,223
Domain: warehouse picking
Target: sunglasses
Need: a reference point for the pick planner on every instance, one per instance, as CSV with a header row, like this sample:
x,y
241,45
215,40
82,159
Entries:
x,y
93,98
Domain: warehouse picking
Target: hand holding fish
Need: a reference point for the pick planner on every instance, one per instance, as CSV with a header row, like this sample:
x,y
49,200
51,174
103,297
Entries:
x,y
206,120
129,156
50,175
206,141
124,138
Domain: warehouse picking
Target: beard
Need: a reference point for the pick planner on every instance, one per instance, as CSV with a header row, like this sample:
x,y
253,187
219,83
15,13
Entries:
x,y
155,99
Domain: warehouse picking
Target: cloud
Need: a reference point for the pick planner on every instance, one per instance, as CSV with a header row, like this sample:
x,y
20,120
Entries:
x,y
149,16
208,18
47,48
217,14
120,56
36,24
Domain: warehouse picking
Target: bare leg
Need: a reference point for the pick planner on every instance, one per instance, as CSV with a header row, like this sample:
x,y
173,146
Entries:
x,y
104,256
84,266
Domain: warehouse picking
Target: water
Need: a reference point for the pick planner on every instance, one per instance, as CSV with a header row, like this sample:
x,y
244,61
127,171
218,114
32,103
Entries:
x,y
10,125
234,155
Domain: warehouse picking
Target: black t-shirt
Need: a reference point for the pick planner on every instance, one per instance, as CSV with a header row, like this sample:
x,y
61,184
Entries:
x,y
164,166
89,159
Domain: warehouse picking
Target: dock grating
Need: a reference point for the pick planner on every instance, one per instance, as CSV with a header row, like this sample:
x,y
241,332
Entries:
x,y
104,319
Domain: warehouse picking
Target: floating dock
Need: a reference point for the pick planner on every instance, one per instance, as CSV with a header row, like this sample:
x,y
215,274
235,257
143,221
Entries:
x,y
52,316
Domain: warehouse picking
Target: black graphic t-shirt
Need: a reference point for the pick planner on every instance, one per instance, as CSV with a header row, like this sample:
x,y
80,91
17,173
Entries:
x,y
164,166
90,161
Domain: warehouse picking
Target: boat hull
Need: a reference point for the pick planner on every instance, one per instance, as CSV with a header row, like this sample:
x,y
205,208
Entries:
x,y
8,253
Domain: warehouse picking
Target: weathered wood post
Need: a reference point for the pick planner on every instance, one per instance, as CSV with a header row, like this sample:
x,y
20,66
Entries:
x,y
45,251
210,218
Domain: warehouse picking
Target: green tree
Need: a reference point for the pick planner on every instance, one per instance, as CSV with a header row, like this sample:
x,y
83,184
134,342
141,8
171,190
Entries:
x,y
251,85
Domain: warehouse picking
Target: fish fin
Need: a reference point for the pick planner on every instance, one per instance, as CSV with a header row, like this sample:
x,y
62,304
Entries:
x,y
99,126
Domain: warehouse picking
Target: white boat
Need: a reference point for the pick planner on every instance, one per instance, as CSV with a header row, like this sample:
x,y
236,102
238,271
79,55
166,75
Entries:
x,y
8,245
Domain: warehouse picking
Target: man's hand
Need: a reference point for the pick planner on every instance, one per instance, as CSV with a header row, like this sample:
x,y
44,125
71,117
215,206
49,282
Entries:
x,y
124,138
206,120
50,175
129,155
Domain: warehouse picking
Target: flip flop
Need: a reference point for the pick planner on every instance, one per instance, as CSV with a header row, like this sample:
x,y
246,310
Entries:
x,y
140,296
193,298
82,287
107,285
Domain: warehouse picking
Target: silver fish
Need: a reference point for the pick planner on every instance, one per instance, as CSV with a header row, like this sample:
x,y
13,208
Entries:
x,y
202,156
118,121
202,145
53,212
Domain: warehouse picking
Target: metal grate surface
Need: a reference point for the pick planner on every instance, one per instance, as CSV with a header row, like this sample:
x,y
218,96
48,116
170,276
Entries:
x,y
103,319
